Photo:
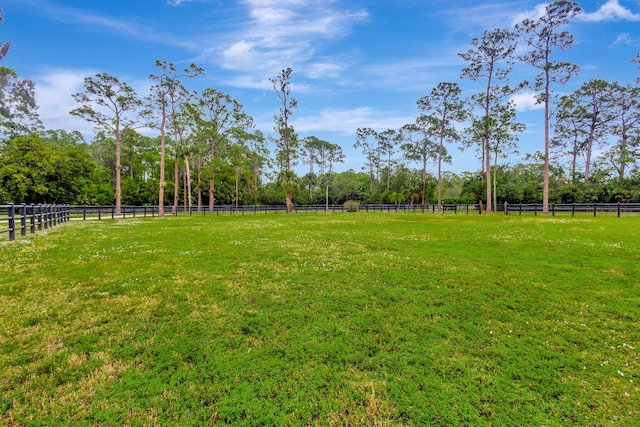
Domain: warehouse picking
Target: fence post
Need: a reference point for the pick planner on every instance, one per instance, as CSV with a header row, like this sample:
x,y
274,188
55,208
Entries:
x,y
45,216
595,206
573,209
113,212
535,209
618,209
553,210
99,213
23,219
40,217
32,218
11,212
506,208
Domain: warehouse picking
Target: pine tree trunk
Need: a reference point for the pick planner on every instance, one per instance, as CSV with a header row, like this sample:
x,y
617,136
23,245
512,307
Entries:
x,y
199,183
289,202
176,185
118,172
188,183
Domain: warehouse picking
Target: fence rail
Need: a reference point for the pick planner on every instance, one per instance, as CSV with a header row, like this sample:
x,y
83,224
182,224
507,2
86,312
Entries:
x,y
25,218
21,219
573,208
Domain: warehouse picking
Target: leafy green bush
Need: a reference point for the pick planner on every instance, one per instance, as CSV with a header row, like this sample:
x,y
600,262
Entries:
x,y
459,201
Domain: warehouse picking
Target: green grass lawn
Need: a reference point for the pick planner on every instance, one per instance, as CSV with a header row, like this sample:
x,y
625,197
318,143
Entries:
x,y
339,319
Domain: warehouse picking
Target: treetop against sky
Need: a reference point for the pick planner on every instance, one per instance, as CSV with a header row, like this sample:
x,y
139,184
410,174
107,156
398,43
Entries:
x,y
355,63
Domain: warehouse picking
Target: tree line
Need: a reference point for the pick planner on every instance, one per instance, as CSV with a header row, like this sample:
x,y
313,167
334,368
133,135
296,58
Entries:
x,y
207,151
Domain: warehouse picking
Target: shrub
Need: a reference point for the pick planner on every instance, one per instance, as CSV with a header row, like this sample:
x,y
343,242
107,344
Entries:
x,y
459,201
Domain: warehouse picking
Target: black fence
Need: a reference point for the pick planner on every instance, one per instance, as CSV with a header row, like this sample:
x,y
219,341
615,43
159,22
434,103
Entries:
x,y
106,212
573,208
22,219
305,209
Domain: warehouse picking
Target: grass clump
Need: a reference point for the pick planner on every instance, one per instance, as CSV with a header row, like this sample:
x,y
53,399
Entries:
x,y
368,319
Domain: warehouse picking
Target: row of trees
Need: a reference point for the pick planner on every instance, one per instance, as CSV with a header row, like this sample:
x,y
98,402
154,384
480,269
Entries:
x,y
57,166
599,115
219,157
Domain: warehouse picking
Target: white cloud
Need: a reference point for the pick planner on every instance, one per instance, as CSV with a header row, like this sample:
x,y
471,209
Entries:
x,y
623,39
80,17
412,75
239,55
271,16
53,94
324,69
347,121
101,23
54,90
610,11
483,15
539,11
526,101
284,33
271,3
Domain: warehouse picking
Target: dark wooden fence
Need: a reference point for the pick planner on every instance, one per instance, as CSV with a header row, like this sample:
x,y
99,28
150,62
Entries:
x,y
305,209
22,219
573,208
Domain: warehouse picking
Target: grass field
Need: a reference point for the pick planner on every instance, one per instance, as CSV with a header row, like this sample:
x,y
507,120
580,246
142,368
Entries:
x,y
342,319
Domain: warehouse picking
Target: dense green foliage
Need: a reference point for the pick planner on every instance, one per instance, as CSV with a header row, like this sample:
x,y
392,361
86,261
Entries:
x,y
34,170
341,319
61,168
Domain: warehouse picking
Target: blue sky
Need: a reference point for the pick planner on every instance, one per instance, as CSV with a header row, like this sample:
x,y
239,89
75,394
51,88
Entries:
x,y
355,63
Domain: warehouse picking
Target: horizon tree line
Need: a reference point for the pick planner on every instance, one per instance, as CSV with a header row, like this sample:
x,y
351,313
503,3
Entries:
x,y
211,133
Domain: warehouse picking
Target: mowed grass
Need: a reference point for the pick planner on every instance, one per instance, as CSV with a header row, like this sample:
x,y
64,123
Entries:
x,y
340,319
